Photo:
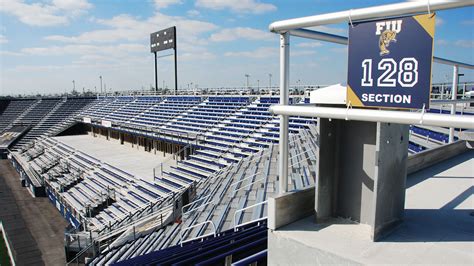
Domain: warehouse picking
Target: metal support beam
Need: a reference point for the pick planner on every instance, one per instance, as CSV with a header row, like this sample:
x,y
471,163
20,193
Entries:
x,y
404,8
372,115
454,96
284,88
156,73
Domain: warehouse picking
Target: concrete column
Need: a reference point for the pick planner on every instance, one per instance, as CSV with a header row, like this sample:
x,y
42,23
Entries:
x,y
284,88
368,189
454,94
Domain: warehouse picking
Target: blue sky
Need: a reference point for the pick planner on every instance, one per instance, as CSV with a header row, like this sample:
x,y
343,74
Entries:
x,y
44,45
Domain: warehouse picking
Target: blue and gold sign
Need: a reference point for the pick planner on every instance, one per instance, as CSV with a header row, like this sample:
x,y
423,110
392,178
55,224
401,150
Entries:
x,y
390,62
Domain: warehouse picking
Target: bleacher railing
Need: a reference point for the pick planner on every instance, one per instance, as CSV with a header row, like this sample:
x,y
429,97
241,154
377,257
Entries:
x,y
237,224
213,233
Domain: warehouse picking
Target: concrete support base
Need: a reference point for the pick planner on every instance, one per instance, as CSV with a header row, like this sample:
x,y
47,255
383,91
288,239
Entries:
x,y
361,173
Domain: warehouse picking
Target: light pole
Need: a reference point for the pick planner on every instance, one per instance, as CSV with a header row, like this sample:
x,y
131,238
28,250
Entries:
x,y
269,81
73,85
100,77
258,84
247,76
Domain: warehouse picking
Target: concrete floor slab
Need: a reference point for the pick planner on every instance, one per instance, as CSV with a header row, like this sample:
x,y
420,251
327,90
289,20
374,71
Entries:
x,y
130,159
438,227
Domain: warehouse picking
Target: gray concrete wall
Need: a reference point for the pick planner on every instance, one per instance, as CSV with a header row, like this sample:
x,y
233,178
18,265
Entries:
x,y
390,181
341,187
430,157
290,207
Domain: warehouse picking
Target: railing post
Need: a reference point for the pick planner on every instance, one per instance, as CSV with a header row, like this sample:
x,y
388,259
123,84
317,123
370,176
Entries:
x,y
284,88
454,94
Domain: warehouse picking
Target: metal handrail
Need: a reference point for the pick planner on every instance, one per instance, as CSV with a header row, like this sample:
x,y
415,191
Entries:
x,y
197,208
259,172
117,230
237,224
199,237
401,117
143,207
390,10
193,202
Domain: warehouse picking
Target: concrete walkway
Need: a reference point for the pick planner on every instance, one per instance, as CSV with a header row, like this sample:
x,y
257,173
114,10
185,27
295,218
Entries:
x,y
37,228
438,227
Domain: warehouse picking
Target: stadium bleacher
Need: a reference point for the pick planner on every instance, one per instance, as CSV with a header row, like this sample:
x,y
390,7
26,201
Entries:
x,y
229,200
231,169
14,109
56,118
247,246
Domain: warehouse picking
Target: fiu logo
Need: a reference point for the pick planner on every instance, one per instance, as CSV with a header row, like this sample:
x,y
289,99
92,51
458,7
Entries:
x,y
388,32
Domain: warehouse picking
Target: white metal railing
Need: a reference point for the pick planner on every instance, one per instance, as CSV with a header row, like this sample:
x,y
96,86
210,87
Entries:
x,y
401,117
193,202
194,209
182,231
391,10
237,224
163,211
261,171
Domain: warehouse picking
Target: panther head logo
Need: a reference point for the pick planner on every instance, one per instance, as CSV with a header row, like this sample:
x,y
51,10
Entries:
x,y
385,39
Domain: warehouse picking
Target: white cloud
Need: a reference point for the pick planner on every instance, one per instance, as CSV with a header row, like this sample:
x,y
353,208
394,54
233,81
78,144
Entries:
x,y
85,49
441,42
193,13
10,53
71,5
127,28
439,21
266,52
309,44
166,3
232,34
303,53
465,43
3,39
58,12
262,52
241,6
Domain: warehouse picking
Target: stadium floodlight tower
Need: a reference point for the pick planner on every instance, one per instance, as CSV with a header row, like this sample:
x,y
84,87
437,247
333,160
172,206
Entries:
x,y
362,150
160,41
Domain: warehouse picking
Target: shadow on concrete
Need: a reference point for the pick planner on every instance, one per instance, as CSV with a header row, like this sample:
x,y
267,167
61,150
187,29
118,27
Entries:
x,y
444,225
434,170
